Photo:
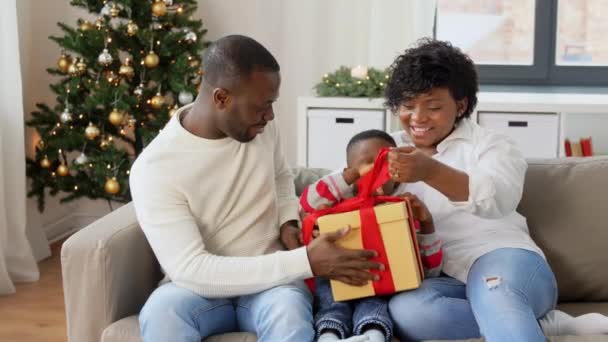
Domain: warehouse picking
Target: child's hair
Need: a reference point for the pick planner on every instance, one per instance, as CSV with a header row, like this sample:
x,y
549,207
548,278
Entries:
x,y
430,64
370,134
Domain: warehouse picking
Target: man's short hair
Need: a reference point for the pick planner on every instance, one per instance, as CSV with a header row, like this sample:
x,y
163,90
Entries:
x,y
235,57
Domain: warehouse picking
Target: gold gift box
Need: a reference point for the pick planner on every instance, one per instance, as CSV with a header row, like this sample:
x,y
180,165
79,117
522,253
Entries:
x,y
397,230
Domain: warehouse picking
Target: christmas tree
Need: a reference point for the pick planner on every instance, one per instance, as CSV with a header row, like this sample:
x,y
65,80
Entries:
x,y
120,79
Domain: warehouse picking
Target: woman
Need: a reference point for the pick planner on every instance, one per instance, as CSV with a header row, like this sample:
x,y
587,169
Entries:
x,y
497,282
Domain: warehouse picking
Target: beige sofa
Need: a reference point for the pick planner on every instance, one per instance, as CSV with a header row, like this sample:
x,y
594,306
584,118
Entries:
x,y
109,269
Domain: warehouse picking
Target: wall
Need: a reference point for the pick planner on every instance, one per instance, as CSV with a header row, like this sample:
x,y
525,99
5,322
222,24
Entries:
x,y
308,38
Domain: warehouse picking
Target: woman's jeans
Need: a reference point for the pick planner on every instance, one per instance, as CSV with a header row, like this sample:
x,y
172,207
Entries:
x,y
351,317
507,290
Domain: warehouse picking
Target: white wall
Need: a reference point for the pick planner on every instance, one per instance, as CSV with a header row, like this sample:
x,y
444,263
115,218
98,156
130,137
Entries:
x,y
308,38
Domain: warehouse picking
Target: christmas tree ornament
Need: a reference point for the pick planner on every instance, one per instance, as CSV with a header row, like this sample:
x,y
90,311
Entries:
x,y
105,142
132,28
40,144
169,2
112,186
116,117
45,162
92,131
139,90
185,97
190,37
82,159
99,23
151,60
156,25
114,10
65,117
126,70
157,101
106,9
85,25
81,66
131,122
64,62
159,8
73,69
105,58
63,170
173,111
193,62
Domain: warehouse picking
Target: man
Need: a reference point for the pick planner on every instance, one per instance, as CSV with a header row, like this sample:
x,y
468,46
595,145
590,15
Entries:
x,y
215,198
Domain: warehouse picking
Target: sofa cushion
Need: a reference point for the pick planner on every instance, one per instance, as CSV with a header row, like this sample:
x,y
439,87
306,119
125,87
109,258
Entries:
x,y
127,330
564,201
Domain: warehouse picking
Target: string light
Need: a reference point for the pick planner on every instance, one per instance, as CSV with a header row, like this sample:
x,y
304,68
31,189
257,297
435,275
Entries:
x,y
75,187
128,172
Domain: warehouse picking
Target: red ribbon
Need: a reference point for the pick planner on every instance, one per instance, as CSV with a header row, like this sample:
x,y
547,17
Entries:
x,y
370,230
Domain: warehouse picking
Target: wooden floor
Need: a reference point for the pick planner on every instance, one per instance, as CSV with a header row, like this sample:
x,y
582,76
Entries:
x,y
36,311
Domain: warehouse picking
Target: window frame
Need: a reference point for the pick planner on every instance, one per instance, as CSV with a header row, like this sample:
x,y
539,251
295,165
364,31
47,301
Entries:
x,y
544,70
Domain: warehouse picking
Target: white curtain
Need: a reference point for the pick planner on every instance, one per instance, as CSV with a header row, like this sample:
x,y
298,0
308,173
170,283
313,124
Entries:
x,y
17,264
312,37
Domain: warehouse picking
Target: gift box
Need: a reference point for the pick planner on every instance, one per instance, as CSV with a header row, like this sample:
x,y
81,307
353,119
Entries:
x,y
389,229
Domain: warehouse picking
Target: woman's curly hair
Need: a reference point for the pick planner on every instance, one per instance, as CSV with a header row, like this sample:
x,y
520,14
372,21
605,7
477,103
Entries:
x,y
432,64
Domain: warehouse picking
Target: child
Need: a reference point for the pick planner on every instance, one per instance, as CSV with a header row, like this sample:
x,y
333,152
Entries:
x,y
367,319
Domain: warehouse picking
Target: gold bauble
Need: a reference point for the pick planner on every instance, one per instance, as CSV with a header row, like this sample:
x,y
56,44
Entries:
x,y
73,70
112,186
63,170
159,8
91,132
151,60
132,29
194,63
81,66
86,25
45,162
173,111
114,11
99,23
104,143
116,117
64,62
126,70
157,101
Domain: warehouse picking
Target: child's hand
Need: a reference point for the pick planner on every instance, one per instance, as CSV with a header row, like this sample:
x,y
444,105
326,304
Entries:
x,y
421,213
352,174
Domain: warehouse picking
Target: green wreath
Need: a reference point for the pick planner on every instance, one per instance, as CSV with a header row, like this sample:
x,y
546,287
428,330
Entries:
x,y
356,82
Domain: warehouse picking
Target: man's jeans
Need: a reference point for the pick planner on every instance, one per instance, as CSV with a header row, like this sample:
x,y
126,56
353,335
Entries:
x,y
283,313
350,317
507,290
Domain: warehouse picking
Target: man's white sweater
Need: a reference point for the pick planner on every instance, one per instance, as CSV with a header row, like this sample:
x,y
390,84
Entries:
x,y
211,210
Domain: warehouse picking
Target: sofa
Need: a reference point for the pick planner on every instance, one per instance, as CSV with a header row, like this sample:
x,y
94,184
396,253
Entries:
x,y
109,269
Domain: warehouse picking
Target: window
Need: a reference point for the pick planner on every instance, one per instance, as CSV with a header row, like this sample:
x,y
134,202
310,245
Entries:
x,y
552,42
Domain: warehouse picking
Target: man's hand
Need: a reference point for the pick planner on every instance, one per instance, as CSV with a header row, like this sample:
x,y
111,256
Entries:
x,y
408,165
291,235
346,265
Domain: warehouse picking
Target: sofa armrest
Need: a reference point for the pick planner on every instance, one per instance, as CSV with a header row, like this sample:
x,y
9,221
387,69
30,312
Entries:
x,y
108,273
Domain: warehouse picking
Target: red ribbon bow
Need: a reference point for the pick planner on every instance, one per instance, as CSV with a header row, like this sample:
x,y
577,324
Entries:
x,y
370,230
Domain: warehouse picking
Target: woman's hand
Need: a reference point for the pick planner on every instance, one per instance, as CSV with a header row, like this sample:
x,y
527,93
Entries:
x,y
408,165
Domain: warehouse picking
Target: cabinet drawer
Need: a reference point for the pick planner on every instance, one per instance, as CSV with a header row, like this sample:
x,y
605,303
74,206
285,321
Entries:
x,y
330,130
536,135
